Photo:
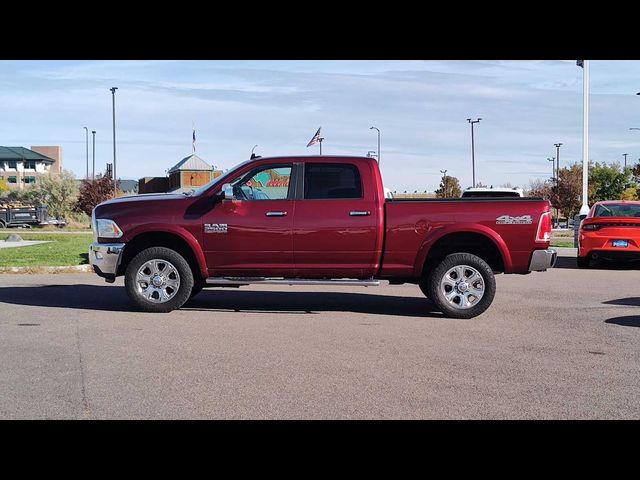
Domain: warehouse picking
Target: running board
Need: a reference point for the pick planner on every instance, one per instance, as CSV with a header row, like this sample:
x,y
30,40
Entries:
x,y
288,281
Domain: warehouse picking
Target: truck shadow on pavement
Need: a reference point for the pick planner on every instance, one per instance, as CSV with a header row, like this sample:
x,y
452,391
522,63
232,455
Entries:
x,y
311,302
113,298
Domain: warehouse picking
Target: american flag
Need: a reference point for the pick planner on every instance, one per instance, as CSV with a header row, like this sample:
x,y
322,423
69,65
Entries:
x,y
315,139
580,63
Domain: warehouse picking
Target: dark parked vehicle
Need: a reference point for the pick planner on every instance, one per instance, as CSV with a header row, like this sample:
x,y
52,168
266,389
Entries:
x,y
12,215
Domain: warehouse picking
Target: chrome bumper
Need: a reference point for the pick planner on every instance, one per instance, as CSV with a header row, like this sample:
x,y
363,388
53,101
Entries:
x,y
105,259
542,259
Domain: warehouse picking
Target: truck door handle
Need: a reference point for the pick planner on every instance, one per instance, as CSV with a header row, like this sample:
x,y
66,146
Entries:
x,y
359,213
276,214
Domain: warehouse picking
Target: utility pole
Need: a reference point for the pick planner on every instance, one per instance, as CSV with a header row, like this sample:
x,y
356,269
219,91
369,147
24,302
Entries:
x,y
115,183
93,172
87,134
473,159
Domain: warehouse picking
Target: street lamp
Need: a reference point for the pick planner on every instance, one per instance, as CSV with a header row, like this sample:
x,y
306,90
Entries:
x,y
444,173
93,171
115,183
557,145
625,161
473,159
553,171
87,134
375,128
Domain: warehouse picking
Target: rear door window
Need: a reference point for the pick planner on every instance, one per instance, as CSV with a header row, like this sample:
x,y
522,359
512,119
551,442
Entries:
x,y
331,181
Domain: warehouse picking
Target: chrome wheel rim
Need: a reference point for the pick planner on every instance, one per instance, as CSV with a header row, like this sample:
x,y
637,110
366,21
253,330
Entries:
x,y
462,287
157,281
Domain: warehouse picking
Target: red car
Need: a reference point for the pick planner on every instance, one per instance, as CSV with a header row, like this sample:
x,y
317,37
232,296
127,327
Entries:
x,y
611,231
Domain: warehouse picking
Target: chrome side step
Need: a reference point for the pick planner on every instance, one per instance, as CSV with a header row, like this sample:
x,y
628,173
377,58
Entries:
x,y
288,281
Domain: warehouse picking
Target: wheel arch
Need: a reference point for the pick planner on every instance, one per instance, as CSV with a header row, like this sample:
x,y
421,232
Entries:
x,y
174,241
476,242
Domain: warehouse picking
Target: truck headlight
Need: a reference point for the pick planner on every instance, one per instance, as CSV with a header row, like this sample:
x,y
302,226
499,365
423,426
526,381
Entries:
x,y
108,228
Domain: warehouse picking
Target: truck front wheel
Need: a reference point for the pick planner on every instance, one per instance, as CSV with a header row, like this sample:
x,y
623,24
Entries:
x,y
158,280
461,286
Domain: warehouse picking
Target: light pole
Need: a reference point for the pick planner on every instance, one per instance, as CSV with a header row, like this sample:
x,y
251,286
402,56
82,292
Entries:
x,y
553,177
553,169
444,173
93,171
376,128
115,183
87,134
557,145
584,209
473,157
625,161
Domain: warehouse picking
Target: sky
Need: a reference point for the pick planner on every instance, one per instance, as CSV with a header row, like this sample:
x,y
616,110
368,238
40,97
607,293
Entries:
x,y
420,107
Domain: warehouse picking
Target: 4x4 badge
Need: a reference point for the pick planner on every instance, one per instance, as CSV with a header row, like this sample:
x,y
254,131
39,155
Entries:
x,y
215,228
509,220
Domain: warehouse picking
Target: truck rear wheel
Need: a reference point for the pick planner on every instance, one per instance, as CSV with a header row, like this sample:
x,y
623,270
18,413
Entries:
x,y
461,286
158,280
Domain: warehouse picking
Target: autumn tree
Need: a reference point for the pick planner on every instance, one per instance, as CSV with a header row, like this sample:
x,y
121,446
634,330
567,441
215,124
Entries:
x,y
93,192
449,187
566,195
538,188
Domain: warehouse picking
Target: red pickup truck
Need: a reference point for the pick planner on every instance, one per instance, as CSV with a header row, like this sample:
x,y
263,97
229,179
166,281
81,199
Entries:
x,y
316,220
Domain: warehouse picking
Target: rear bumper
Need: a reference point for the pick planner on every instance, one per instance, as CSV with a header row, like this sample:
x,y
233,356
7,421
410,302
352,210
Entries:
x,y
542,259
105,259
612,255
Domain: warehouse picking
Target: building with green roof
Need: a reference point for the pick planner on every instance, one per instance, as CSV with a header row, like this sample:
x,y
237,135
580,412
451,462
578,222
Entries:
x,y
21,167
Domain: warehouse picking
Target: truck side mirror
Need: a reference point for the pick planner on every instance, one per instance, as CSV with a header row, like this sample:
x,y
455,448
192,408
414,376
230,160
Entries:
x,y
227,191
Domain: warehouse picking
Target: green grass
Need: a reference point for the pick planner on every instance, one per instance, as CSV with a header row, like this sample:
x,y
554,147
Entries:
x,y
561,243
64,250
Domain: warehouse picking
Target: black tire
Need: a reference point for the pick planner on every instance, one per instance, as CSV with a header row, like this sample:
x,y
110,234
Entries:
x,y
197,287
424,288
149,299
2,224
583,262
455,307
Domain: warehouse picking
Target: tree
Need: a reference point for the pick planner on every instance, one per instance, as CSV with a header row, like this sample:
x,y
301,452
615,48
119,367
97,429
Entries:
x,y
609,182
566,195
539,188
630,193
93,192
4,187
58,192
449,187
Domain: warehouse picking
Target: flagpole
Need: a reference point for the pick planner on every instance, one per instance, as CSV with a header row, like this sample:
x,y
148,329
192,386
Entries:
x,y
320,142
584,210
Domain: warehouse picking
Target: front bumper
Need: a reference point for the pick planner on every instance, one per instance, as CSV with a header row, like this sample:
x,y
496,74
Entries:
x,y
542,259
105,259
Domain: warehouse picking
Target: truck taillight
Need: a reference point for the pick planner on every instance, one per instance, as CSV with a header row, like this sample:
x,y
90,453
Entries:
x,y
544,228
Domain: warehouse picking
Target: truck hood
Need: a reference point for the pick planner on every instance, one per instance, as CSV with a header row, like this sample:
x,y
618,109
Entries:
x,y
145,197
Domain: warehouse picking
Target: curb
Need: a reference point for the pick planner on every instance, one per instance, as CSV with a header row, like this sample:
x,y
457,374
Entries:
x,y
61,269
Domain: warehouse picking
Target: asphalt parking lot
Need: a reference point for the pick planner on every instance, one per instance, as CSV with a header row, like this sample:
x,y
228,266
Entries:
x,y
556,345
